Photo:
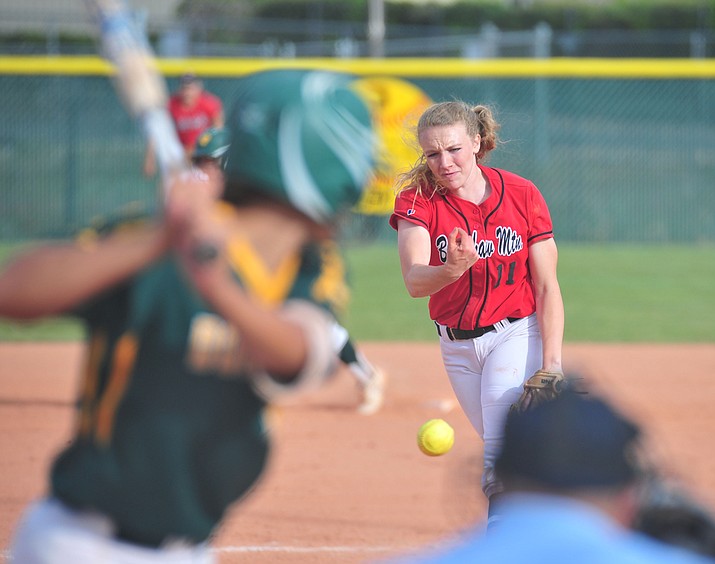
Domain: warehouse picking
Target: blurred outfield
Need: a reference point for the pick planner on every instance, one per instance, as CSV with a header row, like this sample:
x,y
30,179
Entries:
x,y
612,293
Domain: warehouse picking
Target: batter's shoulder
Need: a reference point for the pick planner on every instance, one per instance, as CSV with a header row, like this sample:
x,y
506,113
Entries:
x,y
133,214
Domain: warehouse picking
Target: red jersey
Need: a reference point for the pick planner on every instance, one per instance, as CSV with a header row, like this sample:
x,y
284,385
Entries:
x,y
191,121
498,285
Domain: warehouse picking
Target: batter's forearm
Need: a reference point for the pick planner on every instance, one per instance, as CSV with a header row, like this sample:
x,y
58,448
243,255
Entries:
x,y
52,279
267,339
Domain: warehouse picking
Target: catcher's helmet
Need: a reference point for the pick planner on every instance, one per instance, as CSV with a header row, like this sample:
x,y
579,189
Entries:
x,y
213,143
303,137
569,442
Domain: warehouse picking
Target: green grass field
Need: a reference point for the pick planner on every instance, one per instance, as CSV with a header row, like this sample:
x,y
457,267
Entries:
x,y
612,293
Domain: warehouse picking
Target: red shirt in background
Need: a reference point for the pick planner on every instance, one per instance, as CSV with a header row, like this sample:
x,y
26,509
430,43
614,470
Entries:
x,y
191,121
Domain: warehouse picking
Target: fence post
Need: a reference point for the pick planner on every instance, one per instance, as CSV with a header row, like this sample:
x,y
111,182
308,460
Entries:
x,y
542,40
52,39
376,28
542,140
484,45
698,45
489,35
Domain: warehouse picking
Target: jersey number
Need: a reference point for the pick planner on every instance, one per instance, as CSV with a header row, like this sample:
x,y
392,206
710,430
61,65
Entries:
x,y
510,274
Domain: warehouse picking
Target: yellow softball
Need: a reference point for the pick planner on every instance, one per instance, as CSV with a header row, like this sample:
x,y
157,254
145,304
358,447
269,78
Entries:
x,y
435,437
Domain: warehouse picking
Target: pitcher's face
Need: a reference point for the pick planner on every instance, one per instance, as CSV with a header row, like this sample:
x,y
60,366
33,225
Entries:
x,y
450,154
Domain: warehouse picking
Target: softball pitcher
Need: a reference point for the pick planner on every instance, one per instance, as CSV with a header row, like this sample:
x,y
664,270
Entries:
x,y
479,242
182,353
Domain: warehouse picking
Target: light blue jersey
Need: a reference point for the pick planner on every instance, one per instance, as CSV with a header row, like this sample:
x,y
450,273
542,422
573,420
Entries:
x,y
540,529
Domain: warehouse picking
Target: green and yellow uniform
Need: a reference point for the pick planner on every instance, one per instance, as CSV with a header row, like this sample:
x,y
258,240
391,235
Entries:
x,y
169,430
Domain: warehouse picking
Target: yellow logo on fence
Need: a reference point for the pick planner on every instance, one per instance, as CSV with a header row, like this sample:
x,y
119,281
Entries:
x,y
396,105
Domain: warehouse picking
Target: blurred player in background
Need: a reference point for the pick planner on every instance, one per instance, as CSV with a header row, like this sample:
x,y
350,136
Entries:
x,y
193,109
195,321
210,156
370,379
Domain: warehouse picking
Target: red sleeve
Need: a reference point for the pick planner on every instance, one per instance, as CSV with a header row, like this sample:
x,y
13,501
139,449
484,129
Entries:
x,y
540,225
411,206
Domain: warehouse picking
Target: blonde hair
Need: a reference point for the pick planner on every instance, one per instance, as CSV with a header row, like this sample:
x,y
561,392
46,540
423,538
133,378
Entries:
x,y
478,120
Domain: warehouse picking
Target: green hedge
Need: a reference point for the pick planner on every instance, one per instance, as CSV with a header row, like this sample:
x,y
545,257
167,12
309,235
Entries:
x,y
564,14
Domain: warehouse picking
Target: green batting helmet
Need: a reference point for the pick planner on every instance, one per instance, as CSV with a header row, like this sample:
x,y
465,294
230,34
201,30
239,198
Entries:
x,y
213,143
303,137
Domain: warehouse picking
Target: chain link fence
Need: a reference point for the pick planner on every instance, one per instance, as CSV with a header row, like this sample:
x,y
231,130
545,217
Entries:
x,y
618,159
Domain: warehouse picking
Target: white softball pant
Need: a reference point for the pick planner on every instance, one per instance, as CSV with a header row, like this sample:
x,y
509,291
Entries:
x,y
487,375
52,533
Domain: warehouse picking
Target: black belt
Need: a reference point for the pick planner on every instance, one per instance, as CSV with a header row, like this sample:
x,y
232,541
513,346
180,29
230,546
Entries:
x,y
466,334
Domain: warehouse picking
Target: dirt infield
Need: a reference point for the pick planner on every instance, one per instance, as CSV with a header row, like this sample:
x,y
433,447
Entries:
x,y
347,488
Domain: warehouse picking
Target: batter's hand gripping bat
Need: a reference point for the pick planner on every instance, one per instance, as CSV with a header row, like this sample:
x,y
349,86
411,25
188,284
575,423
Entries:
x,y
138,81
142,89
